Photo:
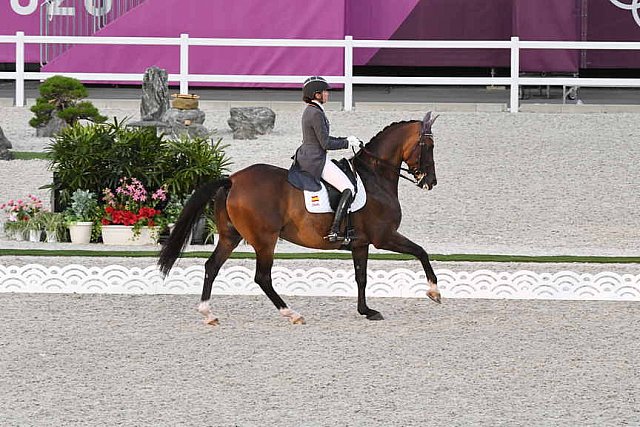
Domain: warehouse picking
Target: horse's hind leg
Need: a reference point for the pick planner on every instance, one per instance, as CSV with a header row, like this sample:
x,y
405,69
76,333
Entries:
x,y
227,243
360,257
264,263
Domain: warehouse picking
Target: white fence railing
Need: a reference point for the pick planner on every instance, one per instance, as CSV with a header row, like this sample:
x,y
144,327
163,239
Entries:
x,y
347,44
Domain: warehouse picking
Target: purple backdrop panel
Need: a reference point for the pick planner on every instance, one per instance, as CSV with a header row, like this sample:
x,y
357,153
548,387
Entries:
x,y
452,20
375,20
19,16
547,20
610,20
219,18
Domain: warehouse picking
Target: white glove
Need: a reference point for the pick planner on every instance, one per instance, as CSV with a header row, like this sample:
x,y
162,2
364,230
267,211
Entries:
x,y
354,142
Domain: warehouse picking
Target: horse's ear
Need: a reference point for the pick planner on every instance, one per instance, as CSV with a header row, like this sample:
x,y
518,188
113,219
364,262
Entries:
x,y
434,119
426,123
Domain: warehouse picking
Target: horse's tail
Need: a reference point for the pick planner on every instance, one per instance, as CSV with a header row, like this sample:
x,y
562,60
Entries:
x,y
190,213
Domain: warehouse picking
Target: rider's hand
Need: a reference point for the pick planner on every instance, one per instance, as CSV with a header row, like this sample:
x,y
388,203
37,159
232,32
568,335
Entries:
x,y
354,142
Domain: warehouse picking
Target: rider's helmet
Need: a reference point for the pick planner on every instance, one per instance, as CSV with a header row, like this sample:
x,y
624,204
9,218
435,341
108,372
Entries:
x,y
314,85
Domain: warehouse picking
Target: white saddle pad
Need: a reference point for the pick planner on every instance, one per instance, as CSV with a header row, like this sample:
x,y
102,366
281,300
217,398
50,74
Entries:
x,y
318,201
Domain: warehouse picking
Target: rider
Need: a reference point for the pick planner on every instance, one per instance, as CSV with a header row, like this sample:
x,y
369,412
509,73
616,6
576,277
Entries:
x,y
312,157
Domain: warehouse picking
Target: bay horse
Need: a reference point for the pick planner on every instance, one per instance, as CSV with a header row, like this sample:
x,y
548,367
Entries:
x,y
259,205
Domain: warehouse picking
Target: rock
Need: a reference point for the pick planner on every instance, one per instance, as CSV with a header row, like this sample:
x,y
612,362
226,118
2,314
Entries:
x,y
155,94
5,154
247,122
184,117
4,142
188,122
52,127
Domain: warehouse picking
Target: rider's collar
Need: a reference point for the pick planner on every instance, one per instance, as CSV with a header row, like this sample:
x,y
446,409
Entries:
x,y
319,104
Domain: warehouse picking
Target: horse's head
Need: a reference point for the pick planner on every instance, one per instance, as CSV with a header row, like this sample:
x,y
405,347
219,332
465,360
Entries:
x,y
417,153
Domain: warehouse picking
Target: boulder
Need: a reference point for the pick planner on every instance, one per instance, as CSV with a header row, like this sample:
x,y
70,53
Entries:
x,y
155,94
52,127
4,142
247,122
189,122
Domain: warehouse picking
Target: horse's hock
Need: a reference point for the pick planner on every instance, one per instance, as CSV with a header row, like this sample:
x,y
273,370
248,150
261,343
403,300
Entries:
x,y
247,122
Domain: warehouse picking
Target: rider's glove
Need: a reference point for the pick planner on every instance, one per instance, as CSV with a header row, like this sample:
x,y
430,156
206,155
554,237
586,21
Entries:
x,y
354,142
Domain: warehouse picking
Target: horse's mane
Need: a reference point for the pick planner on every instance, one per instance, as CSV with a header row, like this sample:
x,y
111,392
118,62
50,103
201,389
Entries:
x,y
387,128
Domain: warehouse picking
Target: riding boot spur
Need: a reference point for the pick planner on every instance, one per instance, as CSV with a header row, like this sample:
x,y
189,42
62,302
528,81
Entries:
x,y
343,206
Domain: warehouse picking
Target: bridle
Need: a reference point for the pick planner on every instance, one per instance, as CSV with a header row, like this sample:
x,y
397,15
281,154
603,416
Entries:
x,y
421,169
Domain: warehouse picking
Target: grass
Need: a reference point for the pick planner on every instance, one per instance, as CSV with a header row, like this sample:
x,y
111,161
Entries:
x,y
484,258
29,155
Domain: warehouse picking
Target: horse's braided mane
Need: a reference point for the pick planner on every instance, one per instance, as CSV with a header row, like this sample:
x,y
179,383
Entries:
x,y
388,127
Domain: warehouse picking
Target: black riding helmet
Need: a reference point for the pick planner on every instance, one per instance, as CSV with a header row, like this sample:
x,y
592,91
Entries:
x,y
313,85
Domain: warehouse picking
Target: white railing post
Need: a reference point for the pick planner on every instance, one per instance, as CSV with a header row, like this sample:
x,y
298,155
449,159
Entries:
x,y
348,73
514,103
19,69
184,63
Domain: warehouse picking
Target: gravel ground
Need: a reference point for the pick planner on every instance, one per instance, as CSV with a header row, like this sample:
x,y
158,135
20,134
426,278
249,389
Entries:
x,y
139,360
507,183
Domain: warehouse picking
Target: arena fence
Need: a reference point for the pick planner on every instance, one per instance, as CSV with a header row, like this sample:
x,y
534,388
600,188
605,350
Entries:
x,y
319,281
348,79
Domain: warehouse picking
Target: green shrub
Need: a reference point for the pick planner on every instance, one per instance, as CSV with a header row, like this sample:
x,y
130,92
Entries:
x,y
61,95
95,156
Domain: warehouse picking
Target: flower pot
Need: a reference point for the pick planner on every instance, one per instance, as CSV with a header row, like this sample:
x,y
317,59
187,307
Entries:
x,y
52,237
185,101
80,232
35,235
19,235
123,235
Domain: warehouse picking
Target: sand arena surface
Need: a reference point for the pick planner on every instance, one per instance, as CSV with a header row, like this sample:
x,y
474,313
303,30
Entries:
x,y
122,360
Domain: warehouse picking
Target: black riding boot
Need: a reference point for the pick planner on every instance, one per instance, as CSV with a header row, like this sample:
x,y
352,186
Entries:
x,y
341,210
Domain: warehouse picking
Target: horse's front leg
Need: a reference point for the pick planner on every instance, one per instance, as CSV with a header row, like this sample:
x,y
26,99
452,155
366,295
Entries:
x,y
360,256
398,243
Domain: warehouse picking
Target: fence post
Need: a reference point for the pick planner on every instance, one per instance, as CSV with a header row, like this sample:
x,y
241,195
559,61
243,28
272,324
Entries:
x,y
184,63
514,103
19,69
348,73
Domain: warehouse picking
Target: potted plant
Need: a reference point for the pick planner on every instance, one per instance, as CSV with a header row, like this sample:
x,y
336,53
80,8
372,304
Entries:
x,y
130,215
53,223
80,216
211,229
20,213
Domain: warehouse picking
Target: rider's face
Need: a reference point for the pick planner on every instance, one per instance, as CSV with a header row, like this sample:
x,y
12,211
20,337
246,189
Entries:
x,y
323,96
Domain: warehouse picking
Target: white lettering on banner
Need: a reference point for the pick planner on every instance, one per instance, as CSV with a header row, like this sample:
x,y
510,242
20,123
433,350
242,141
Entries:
x,y
633,7
55,9
98,11
24,10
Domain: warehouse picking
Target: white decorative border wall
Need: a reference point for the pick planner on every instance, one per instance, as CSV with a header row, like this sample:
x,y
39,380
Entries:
x,y
317,281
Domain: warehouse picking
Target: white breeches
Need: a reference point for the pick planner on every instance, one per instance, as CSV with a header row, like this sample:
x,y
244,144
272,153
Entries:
x,y
334,176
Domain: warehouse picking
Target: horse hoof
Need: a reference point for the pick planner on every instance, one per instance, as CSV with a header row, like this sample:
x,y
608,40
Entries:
x,y
434,296
375,316
298,321
212,321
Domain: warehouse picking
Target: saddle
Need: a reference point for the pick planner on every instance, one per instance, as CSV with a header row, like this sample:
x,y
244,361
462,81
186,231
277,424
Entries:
x,y
326,199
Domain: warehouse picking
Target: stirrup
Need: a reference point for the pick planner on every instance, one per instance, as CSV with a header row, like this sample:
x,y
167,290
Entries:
x,y
333,237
